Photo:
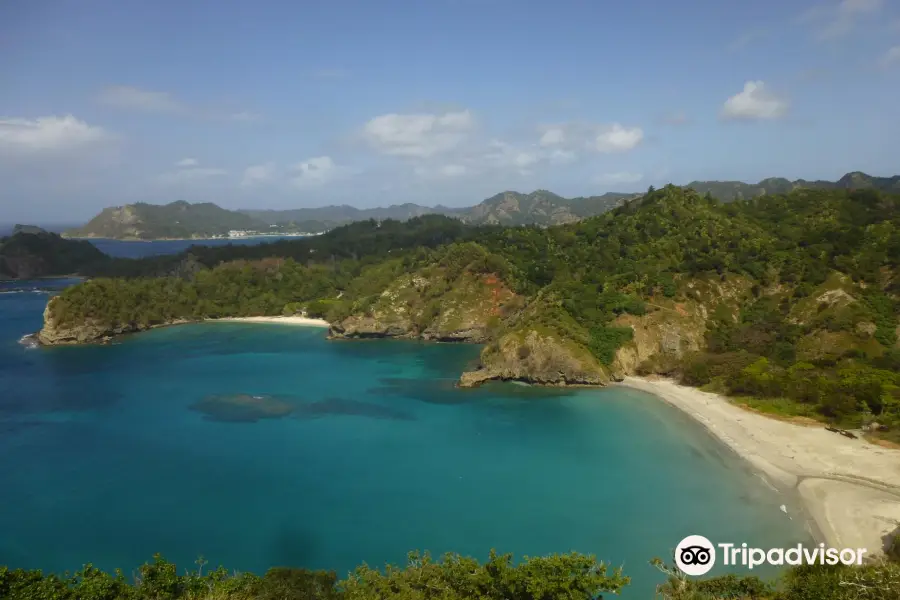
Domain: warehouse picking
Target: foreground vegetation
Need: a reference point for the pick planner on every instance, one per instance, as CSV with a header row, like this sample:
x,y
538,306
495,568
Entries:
x,y
789,299
557,577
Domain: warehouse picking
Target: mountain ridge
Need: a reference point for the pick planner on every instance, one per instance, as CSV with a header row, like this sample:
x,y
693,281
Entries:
x,y
541,207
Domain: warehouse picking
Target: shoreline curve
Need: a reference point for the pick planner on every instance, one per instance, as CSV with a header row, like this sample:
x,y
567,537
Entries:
x,y
293,320
850,489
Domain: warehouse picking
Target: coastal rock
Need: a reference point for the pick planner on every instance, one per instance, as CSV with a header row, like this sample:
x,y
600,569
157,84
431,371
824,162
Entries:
x,y
540,357
657,334
672,328
91,331
425,305
370,327
53,333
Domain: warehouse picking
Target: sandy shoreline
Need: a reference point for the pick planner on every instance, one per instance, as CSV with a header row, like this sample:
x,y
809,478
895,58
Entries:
x,y
295,320
850,488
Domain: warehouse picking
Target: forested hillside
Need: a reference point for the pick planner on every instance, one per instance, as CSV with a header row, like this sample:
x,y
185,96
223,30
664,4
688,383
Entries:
x,y
33,252
728,191
179,219
788,299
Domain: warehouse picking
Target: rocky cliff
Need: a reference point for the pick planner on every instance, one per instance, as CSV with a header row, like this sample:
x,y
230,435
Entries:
x,y
540,356
56,333
428,306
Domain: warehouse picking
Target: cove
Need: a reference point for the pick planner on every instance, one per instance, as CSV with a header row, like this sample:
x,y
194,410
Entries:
x,y
259,445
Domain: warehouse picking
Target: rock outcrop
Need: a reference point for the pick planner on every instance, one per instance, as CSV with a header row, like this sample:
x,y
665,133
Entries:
x,y
537,356
424,305
55,333
360,327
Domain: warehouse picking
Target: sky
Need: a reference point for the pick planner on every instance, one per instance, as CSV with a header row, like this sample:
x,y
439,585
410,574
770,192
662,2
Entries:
x,y
300,103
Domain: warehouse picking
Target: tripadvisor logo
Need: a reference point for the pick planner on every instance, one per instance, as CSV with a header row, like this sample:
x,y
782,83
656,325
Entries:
x,y
695,555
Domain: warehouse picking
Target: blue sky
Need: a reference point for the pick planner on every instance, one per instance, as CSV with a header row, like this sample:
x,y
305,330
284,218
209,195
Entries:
x,y
282,104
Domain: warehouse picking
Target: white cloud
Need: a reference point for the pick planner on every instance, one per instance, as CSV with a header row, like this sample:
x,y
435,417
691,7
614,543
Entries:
x,y
618,139
418,135
561,156
48,134
618,178
314,171
553,137
837,20
255,174
453,170
754,103
502,155
188,170
447,171
567,139
891,57
133,98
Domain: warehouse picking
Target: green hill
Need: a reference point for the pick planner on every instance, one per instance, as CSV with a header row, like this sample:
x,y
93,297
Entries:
x,y
178,220
728,191
33,252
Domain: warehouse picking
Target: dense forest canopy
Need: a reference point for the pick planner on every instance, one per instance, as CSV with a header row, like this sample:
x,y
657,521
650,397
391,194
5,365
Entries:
x,y
811,325
33,252
557,577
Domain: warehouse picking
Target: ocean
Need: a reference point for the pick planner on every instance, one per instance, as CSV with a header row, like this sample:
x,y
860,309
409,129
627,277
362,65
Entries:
x,y
258,445
122,249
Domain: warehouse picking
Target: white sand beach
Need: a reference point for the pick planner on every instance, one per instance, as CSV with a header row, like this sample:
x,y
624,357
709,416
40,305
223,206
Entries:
x,y
850,487
293,320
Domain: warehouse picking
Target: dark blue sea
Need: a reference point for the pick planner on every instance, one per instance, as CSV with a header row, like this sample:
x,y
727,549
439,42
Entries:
x,y
351,452
122,249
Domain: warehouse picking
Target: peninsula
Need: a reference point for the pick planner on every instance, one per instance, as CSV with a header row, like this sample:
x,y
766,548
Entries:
x,y
31,252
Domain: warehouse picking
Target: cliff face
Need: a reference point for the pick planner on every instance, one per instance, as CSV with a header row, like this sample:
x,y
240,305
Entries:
x,y
53,333
537,356
92,331
425,305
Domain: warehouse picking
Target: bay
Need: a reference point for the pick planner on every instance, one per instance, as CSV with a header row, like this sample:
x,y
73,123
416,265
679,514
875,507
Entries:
x,y
351,452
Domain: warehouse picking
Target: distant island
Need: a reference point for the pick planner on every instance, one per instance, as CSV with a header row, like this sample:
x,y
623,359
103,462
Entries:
x,y
177,220
183,220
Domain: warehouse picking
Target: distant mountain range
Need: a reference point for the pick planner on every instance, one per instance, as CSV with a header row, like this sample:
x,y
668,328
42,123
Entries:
x,y
541,207
728,191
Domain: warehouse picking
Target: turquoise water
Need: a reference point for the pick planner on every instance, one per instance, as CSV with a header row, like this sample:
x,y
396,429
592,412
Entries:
x,y
109,458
